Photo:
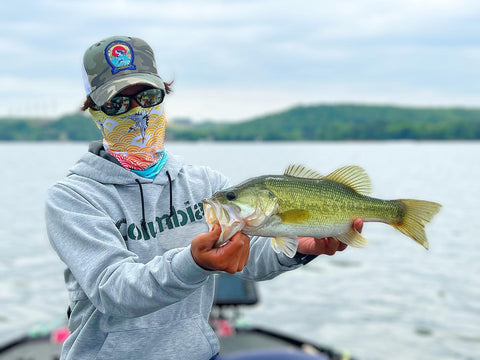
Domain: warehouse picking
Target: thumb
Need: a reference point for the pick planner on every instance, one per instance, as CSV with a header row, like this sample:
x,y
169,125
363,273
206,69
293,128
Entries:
x,y
358,224
207,241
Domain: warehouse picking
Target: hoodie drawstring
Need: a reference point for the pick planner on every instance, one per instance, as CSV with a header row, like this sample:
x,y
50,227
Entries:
x,y
144,222
171,196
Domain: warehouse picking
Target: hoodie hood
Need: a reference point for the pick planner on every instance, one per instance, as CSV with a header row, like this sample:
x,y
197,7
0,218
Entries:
x,y
100,166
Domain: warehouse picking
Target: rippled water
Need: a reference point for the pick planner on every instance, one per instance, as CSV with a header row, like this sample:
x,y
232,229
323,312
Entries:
x,y
390,300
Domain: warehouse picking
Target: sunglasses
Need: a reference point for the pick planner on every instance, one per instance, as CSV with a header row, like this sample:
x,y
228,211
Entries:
x,y
122,103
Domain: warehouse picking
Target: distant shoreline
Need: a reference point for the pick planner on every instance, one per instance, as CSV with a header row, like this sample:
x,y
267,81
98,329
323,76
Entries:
x,y
301,123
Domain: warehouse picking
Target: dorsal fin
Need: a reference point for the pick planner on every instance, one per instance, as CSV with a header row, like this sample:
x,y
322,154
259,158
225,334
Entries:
x,y
301,171
352,176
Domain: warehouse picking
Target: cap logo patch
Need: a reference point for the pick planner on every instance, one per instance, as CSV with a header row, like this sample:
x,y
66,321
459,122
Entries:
x,y
120,56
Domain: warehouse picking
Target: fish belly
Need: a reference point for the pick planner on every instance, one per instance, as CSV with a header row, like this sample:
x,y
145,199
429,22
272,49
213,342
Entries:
x,y
275,229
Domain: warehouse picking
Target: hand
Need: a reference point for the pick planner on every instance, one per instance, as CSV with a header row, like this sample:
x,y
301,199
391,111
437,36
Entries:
x,y
325,246
231,257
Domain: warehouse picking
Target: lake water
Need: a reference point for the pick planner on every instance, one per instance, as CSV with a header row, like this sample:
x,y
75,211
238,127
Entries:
x,y
391,299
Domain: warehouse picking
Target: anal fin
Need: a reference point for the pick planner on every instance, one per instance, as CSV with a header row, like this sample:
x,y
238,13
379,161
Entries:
x,y
352,238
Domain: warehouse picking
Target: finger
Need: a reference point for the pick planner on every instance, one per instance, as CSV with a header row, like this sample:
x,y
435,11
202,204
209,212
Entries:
x,y
234,245
358,224
206,241
331,246
246,252
312,245
243,251
342,246
320,245
230,255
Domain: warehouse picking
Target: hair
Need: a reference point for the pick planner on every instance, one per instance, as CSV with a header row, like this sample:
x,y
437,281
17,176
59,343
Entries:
x,y
88,101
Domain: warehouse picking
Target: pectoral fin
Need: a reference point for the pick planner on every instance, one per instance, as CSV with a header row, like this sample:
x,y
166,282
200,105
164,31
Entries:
x,y
286,245
352,238
297,216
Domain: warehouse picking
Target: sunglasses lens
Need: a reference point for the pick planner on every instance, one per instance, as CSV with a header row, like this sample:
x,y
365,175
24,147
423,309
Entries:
x,y
121,104
150,97
118,105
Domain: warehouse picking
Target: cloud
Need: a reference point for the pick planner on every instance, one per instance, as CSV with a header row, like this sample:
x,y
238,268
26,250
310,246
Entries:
x,y
240,57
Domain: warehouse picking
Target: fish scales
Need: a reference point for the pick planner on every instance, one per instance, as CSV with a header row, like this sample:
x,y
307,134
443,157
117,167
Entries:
x,y
329,201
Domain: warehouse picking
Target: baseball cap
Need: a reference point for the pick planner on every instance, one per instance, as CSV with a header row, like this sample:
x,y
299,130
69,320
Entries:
x,y
115,63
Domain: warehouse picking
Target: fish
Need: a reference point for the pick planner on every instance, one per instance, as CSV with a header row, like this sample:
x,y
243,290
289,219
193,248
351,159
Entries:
x,y
141,122
302,202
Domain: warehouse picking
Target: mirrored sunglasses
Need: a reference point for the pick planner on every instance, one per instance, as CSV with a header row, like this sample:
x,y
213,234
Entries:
x,y
122,103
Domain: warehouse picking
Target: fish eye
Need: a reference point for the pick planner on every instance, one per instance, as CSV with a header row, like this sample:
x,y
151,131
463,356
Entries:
x,y
231,196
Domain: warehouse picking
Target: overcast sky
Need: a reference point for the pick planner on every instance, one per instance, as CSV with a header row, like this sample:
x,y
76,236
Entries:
x,y
233,60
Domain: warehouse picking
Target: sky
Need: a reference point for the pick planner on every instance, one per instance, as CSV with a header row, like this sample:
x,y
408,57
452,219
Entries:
x,y
233,60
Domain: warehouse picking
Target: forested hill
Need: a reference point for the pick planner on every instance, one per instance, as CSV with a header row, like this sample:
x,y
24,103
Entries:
x,y
347,122
322,122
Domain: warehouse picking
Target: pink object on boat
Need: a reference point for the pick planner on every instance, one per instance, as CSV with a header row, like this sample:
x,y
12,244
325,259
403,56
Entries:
x,y
60,335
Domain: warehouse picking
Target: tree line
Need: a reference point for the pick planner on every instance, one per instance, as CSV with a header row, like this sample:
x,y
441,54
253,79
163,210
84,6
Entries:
x,y
307,123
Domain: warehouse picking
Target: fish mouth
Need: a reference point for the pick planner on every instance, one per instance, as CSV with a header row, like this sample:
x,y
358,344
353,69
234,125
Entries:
x,y
224,215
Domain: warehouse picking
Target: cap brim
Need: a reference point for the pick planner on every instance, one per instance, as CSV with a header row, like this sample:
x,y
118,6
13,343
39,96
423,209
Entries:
x,y
105,92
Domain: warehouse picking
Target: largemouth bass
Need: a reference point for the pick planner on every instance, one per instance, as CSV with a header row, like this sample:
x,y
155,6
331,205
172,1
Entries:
x,y
301,202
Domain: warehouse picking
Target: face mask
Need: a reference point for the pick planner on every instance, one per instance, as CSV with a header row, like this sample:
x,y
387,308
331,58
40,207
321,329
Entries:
x,y
135,138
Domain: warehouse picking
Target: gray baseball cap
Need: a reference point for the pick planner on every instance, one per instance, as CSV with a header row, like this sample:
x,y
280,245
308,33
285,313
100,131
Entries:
x,y
116,63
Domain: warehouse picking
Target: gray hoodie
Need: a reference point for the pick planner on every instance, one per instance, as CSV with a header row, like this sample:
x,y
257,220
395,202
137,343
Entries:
x,y
135,290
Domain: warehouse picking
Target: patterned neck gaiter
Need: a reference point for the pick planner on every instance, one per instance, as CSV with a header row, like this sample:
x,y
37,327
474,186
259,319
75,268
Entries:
x,y
135,138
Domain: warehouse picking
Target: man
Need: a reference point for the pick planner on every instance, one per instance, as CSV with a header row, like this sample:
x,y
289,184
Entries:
x,y
128,223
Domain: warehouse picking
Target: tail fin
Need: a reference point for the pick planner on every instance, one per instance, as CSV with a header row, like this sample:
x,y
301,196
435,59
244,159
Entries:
x,y
417,214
